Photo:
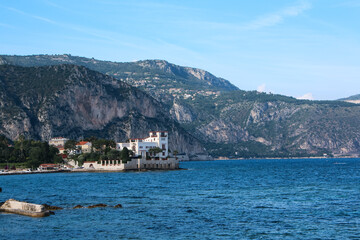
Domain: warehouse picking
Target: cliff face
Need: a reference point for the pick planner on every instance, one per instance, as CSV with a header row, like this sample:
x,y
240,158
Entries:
x,y
271,125
72,101
227,121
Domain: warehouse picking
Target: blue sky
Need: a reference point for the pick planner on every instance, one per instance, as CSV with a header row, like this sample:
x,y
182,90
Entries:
x,y
305,48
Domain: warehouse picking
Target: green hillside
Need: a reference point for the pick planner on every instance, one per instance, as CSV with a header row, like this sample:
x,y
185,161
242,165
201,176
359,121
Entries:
x,y
229,121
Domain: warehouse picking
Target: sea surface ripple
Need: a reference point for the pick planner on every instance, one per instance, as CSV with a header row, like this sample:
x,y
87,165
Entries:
x,y
243,199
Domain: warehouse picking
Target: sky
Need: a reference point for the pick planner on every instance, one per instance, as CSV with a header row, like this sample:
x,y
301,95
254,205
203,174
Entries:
x,y
307,49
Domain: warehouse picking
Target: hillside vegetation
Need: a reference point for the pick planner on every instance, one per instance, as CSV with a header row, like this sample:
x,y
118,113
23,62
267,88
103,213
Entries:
x,y
75,102
226,120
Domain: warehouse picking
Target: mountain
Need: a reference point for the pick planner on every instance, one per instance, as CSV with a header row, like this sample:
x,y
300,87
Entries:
x,y
161,79
265,125
226,120
73,101
352,99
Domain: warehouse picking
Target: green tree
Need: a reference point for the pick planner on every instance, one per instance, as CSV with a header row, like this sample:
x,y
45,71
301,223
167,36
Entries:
x,y
175,152
70,144
113,154
98,144
155,150
35,158
125,155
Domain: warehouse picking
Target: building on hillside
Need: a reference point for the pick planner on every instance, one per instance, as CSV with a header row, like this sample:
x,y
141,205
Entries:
x,y
58,141
84,146
61,150
141,146
143,157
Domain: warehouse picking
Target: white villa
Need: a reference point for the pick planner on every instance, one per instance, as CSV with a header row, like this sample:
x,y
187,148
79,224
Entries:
x,y
142,158
58,141
141,146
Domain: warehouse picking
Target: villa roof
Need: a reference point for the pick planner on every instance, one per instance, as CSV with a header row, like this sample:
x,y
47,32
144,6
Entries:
x,y
49,165
82,143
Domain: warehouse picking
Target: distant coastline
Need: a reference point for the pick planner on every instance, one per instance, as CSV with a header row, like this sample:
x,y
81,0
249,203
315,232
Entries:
x,y
266,158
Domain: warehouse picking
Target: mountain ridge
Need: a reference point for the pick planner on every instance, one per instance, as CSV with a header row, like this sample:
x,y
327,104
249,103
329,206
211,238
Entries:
x,y
351,98
73,101
233,122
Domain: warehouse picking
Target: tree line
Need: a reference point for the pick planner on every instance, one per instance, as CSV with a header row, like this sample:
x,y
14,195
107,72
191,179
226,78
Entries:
x,y
26,152
31,153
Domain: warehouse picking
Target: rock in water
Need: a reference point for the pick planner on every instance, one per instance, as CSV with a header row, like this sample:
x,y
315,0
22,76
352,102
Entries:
x,y
118,206
97,205
78,206
52,208
24,208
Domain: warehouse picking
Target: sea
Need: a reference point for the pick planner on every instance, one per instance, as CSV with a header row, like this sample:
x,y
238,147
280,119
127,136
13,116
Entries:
x,y
236,199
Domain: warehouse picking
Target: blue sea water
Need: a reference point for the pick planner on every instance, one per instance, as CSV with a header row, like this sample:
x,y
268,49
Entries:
x,y
245,199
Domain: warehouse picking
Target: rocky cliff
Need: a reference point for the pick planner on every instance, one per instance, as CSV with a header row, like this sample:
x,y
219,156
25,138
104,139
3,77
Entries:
x,y
266,125
227,121
73,101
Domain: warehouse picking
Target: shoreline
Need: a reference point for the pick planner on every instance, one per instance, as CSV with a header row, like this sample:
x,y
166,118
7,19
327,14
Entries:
x,y
87,171
147,170
35,172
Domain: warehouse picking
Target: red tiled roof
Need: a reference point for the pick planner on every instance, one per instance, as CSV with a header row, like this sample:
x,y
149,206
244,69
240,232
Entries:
x,y
49,165
82,143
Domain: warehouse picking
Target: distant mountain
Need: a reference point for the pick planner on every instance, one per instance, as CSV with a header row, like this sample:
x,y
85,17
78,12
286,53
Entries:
x,y
73,101
253,124
161,79
352,99
229,121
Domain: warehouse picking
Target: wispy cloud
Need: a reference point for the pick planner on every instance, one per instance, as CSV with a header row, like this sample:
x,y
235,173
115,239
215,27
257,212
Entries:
x,y
146,5
6,25
30,15
354,3
108,36
65,9
307,96
261,88
278,17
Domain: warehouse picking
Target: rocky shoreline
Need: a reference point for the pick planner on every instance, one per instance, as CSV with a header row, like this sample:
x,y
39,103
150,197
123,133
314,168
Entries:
x,y
85,171
31,172
39,210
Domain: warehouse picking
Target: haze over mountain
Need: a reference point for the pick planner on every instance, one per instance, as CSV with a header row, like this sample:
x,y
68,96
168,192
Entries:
x,y
226,120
